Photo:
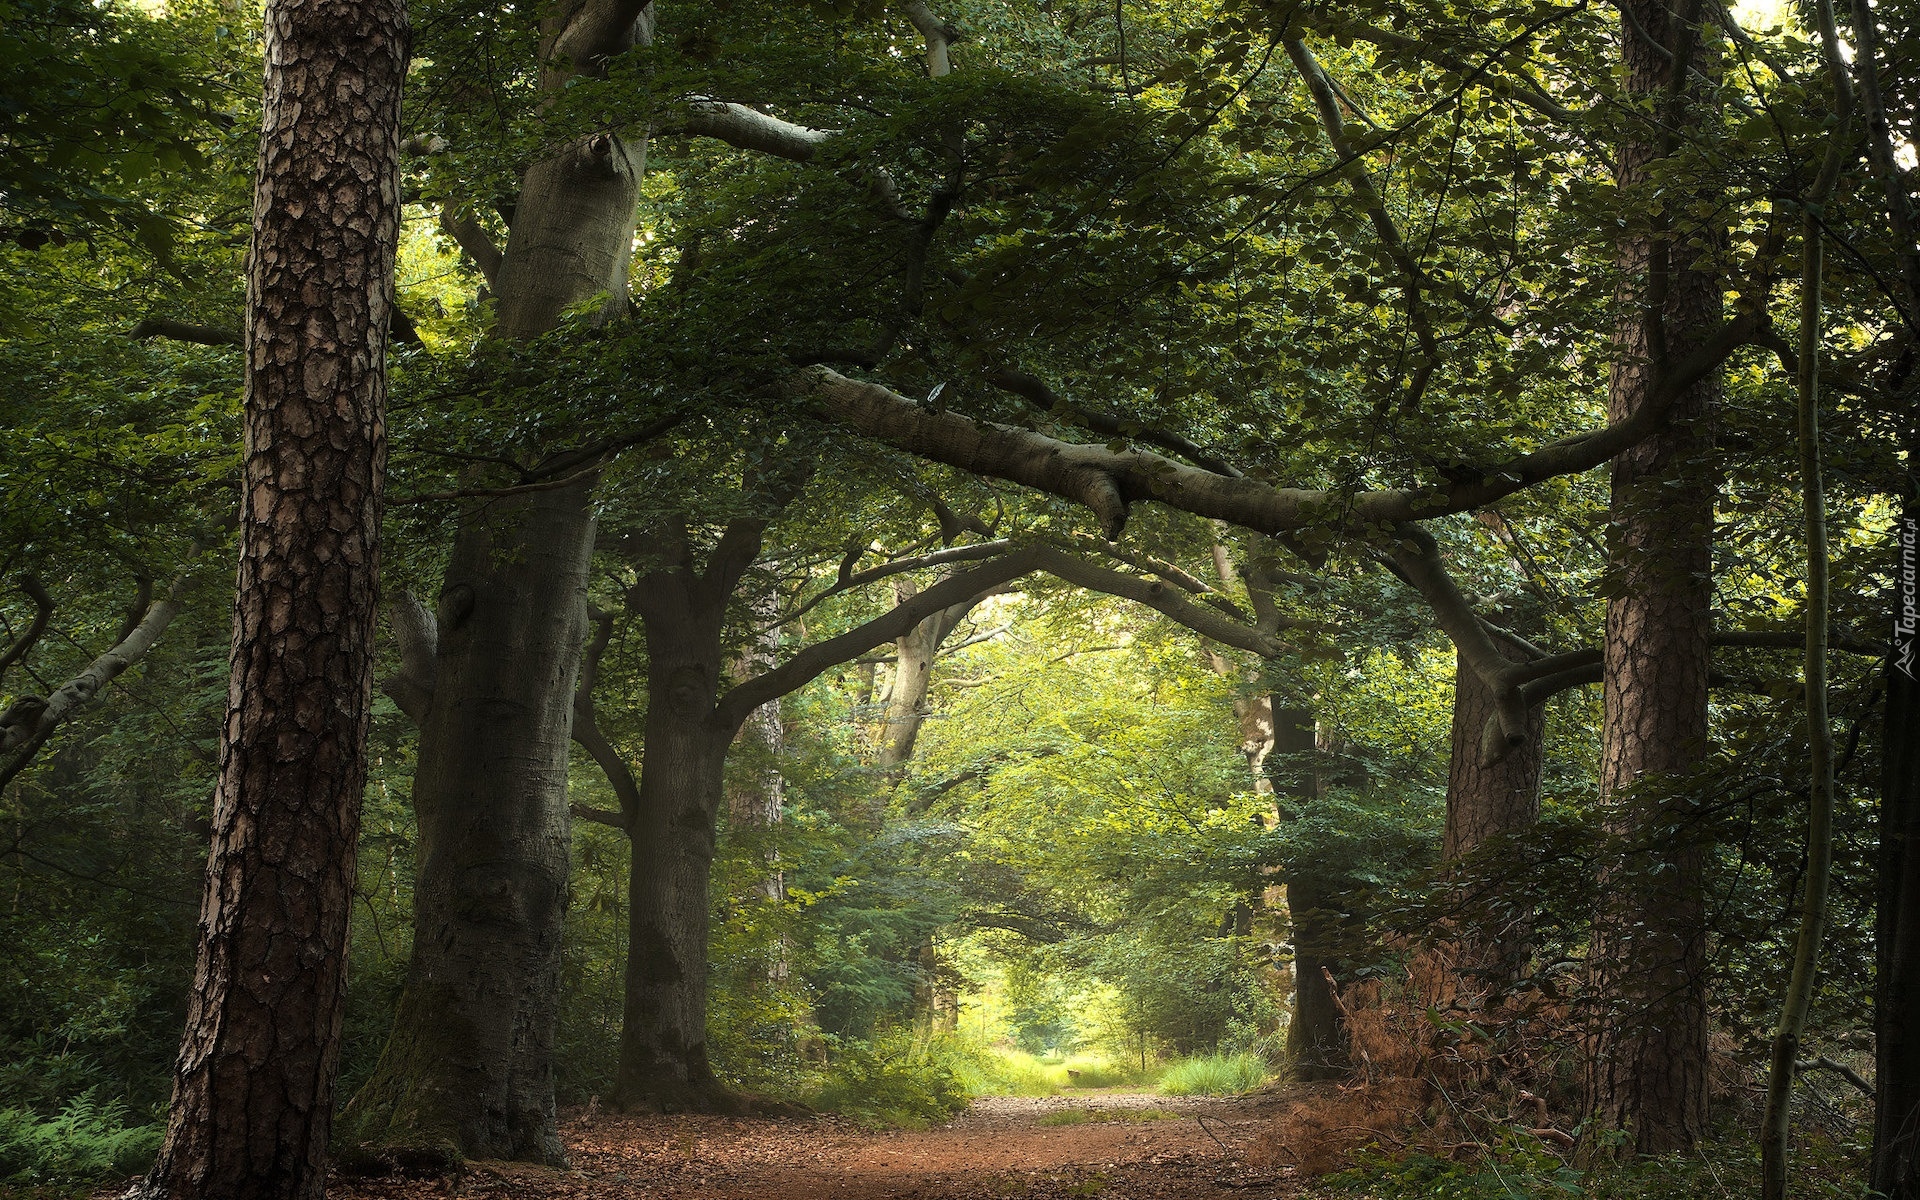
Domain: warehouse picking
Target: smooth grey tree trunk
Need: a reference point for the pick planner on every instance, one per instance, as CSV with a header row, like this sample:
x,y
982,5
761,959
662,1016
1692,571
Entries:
x,y
468,1067
664,1063
1490,801
1316,1042
663,1035
467,1070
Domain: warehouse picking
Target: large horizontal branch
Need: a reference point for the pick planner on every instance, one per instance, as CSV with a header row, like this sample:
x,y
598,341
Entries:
x,y
1035,390
749,129
1169,601
809,663
746,128
1108,481
1548,677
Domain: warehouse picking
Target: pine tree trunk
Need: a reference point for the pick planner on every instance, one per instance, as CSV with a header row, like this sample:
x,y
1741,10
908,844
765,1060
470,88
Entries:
x,y
1647,1072
1896,1001
253,1089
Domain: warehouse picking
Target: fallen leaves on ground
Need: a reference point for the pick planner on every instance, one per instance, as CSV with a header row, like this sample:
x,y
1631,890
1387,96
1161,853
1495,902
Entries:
x,y
1000,1149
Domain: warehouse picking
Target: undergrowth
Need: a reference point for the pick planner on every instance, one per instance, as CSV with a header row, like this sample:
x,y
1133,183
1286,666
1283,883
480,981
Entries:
x,y
911,1079
1215,1075
84,1144
1520,1167
898,1080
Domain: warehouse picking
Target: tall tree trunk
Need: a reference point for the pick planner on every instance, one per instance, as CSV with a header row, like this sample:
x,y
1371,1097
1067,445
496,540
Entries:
x,y
468,1070
1487,800
253,1088
663,1033
1316,1043
1647,1073
1896,1000
1895,1167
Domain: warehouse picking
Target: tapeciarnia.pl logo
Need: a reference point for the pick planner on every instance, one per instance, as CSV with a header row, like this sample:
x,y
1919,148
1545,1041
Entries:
x,y
1906,617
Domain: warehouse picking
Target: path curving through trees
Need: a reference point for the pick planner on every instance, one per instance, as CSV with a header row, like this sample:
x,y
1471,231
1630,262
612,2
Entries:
x,y
1091,1144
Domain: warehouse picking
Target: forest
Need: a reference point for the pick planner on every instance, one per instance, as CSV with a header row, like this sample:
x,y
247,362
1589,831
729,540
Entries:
x,y
869,598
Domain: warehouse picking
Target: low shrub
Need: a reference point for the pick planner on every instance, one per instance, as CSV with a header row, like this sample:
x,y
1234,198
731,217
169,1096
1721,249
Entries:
x,y
86,1143
896,1081
1214,1075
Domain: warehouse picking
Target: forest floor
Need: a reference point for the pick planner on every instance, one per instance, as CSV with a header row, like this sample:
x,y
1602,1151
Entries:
x,y
1115,1145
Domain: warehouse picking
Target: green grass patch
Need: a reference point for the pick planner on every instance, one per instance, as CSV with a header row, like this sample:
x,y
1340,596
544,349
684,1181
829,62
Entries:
x,y
999,1071
1214,1075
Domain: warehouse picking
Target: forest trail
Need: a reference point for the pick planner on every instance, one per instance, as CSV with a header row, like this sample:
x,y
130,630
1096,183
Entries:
x,y
1090,1144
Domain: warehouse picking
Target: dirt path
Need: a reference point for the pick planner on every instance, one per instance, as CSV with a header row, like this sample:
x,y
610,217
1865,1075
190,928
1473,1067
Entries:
x,y
1113,1145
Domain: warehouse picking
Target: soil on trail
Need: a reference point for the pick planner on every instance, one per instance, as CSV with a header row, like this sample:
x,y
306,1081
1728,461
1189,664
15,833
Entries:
x,y
1111,1145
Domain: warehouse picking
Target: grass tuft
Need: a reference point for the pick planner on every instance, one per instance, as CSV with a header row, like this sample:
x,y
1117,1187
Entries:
x,y
1214,1075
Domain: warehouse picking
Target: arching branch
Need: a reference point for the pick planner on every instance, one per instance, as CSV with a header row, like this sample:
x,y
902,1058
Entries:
x,y
30,721
42,612
1108,481
586,731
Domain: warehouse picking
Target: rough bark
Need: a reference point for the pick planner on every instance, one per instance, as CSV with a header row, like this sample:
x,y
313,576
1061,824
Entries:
x,y
1896,1000
1647,1070
253,1086
468,1070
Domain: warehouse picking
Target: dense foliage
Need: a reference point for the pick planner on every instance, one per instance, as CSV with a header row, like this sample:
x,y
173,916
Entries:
x,y
1124,225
